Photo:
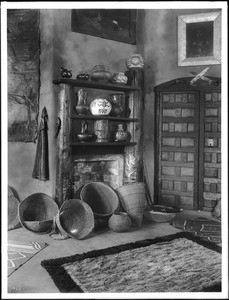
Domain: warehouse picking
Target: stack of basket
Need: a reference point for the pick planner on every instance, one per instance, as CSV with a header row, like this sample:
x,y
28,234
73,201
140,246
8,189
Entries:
x,y
78,218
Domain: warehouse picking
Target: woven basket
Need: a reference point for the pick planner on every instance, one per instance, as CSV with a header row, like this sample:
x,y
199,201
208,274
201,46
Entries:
x,y
36,212
102,199
133,199
13,202
160,213
75,219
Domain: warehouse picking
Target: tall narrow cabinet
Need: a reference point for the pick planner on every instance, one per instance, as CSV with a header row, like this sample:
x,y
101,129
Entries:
x,y
188,143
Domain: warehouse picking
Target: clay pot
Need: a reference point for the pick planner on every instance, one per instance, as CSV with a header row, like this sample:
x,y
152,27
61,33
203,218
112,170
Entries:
x,y
117,102
119,222
82,108
100,73
100,107
121,135
85,136
101,130
119,78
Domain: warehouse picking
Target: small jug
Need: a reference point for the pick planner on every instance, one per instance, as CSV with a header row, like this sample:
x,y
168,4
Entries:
x,y
82,108
122,135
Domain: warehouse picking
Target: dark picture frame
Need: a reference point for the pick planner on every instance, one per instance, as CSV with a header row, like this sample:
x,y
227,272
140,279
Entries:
x,y
199,39
113,24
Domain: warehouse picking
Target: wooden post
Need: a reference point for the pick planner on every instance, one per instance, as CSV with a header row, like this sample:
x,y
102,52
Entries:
x,y
133,168
64,172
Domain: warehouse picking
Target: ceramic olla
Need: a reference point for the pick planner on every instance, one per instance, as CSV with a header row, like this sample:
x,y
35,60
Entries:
x,y
101,73
100,106
119,78
135,61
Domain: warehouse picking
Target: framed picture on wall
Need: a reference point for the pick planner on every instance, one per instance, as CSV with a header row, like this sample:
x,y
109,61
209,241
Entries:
x,y
113,24
199,39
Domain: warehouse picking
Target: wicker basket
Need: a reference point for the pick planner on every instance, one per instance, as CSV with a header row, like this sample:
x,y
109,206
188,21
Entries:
x,y
102,199
75,219
133,199
160,213
36,212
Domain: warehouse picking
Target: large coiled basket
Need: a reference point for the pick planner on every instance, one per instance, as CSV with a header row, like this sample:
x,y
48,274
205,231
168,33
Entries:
x,y
75,219
102,199
36,213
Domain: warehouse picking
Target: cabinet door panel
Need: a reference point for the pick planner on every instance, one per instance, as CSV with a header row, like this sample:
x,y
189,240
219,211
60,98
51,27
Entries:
x,y
178,149
210,147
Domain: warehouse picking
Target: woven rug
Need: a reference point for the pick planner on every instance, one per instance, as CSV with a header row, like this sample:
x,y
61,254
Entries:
x,y
204,228
20,252
174,263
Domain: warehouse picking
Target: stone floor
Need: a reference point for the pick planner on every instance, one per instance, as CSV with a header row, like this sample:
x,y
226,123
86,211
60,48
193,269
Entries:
x,y
33,278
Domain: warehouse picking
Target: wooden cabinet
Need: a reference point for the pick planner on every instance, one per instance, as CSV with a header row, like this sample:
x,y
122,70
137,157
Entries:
x,y
69,149
188,145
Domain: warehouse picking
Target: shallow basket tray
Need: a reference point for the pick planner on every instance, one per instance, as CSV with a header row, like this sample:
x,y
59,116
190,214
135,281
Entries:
x,y
158,216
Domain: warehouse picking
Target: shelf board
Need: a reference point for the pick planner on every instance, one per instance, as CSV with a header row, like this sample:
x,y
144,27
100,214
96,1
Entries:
x,y
97,85
103,144
118,119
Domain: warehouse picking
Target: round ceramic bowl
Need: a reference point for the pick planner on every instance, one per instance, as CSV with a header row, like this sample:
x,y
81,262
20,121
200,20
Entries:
x,y
85,137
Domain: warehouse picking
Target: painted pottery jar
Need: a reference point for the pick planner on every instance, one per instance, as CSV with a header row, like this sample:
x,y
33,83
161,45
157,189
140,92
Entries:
x,y
100,107
118,104
100,73
121,135
119,78
119,222
135,61
65,73
82,107
101,130
84,135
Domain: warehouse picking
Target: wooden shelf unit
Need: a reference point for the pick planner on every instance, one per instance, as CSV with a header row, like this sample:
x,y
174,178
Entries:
x,y
67,146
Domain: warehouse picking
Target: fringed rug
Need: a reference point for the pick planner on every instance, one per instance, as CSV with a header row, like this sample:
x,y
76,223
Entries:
x,y
20,252
174,263
206,229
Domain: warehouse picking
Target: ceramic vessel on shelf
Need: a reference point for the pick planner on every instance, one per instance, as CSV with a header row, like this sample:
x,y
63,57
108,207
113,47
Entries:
x,y
101,130
119,78
65,73
100,107
135,61
82,76
121,135
118,104
119,222
84,135
100,73
82,108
